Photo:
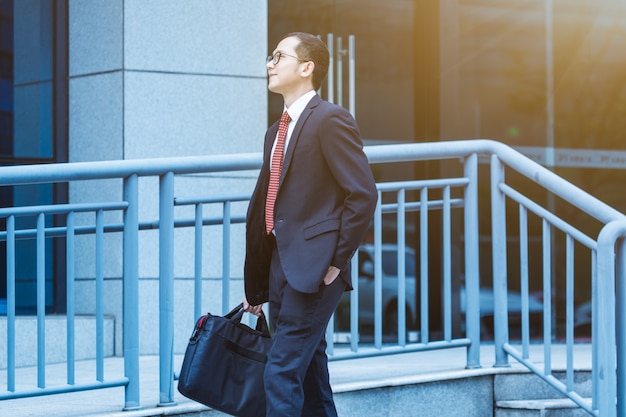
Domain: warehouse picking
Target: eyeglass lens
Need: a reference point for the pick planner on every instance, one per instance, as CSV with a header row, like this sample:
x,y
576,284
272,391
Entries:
x,y
274,59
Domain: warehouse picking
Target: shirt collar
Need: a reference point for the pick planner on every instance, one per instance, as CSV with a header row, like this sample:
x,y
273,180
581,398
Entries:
x,y
296,109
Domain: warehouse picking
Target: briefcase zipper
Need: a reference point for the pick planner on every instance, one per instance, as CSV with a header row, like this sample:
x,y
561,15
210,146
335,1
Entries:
x,y
199,326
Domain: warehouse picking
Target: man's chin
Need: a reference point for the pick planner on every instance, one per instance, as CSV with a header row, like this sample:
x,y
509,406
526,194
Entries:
x,y
271,86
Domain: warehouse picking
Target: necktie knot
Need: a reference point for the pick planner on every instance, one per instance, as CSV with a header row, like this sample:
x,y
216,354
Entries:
x,y
285,118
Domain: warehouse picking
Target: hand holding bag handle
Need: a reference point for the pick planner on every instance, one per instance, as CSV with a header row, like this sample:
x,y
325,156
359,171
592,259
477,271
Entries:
x,y
236,314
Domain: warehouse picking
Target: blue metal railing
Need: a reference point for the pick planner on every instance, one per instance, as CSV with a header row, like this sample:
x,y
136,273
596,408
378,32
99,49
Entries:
x,y
452,195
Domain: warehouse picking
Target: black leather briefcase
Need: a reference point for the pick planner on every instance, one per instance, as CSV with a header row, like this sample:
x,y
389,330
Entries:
x,y
224,364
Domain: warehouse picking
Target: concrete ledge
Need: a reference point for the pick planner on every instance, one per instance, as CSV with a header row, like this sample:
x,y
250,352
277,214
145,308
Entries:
x,y
540,404
183,409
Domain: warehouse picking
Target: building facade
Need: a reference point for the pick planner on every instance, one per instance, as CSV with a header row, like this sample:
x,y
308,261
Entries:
x,y
87,80
109,80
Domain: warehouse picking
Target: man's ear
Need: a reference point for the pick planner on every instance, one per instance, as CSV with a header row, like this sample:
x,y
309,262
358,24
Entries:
x,y
307,69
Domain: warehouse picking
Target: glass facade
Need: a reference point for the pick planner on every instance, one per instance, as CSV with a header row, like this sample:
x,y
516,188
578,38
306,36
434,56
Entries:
x,y
33,116
545,76
385,58
535,73
6,78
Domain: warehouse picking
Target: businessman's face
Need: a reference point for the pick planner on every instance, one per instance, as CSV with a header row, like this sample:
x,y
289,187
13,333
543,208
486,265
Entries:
x,y
284,70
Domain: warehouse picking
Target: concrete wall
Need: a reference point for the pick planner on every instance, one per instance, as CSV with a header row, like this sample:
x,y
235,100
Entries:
x,y
158,78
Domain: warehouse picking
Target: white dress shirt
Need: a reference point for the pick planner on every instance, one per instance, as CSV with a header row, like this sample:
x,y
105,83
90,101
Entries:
x,y
294,111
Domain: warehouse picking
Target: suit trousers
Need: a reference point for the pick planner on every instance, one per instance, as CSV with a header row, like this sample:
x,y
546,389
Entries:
x,y
296,374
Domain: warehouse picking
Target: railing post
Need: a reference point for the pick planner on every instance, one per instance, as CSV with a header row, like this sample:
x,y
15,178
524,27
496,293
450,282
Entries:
x,y
100,295
472,277
166,289
378,273
546,238
620,267
70,280
498,242
354,304
523,256
595,388
41,300
447,265
10,303
401,259
226,258
131,293
607,341
423,281
197,272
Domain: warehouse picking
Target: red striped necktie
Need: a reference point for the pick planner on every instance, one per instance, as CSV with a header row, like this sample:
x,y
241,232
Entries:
x,y
276,169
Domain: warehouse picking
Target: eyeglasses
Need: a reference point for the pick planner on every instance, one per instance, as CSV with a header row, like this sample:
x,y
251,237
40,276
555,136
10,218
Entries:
x,y
275,59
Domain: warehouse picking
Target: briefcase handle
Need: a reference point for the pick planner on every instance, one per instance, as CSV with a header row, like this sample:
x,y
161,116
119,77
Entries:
x,y
236,314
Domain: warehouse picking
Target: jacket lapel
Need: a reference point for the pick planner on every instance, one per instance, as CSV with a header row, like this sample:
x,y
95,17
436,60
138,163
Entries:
x,y
295,135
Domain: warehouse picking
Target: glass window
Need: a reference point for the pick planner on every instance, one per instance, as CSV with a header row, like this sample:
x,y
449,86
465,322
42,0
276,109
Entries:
x,y
539,73
32,100
6,78
543,76
384,58
33,87
549,78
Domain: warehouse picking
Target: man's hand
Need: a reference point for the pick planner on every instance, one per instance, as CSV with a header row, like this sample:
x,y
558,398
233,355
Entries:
x,y
256,310
331,275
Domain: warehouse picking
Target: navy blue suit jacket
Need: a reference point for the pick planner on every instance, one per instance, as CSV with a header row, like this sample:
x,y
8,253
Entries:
x,y
324,205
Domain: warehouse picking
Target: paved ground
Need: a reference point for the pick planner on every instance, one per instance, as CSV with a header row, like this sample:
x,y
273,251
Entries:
x,y
346,375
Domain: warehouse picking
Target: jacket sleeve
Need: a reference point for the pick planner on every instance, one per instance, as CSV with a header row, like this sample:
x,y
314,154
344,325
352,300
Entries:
x,y
258,246
343,151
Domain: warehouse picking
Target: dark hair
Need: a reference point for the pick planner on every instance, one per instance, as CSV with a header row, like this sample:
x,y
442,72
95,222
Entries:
x,y
311,48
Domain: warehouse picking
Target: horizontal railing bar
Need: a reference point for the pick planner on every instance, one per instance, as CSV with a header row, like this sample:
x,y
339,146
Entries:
x,y
60,231
509,156
64,389
75,171
394,350
64,172
206,221
417,206
61,208
418,184
211,199
549,216
152,225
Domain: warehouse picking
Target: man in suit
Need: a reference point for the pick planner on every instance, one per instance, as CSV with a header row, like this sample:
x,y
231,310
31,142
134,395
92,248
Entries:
x,y
299,244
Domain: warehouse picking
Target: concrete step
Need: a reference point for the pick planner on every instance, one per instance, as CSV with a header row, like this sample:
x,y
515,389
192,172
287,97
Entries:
x,y
56,339
530,387
527,395
421,384
539,408
459,397
470,396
